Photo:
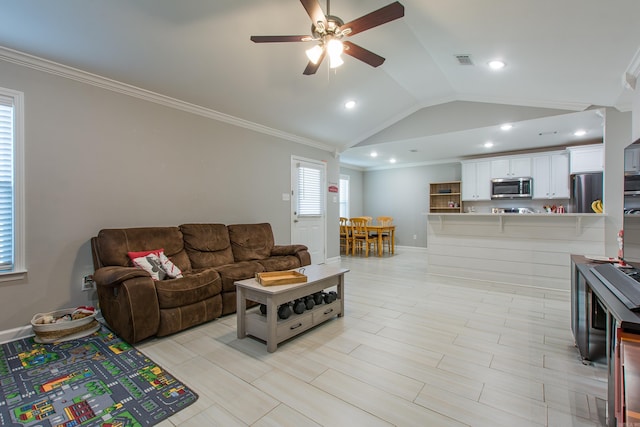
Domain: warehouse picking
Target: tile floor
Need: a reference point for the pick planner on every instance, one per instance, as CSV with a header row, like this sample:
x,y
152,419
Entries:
x,y
411,350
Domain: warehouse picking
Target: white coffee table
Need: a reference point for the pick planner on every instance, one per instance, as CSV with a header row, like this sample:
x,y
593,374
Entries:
x,y
273,330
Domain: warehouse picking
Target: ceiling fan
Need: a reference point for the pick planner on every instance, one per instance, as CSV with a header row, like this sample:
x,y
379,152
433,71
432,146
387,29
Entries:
x,y
329,30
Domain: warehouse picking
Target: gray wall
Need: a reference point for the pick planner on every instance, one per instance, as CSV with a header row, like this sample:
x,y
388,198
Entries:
x,y
404,194
617,136
97,159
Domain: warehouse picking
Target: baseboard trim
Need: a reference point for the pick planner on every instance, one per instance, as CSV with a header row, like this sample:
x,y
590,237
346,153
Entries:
x,y
16,334
27,331
411,248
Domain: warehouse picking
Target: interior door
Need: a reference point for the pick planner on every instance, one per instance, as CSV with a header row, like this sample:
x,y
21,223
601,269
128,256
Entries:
x,y
308,206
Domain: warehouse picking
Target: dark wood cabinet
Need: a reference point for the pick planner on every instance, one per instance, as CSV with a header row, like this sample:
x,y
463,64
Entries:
x,y
599,320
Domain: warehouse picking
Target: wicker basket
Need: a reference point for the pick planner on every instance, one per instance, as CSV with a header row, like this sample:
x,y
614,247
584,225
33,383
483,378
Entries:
x,y
54,332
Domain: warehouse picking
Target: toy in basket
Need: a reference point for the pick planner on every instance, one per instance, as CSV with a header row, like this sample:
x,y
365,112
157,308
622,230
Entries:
x,y
65,324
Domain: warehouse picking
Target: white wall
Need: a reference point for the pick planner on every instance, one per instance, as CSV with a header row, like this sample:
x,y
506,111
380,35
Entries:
x,y
97,159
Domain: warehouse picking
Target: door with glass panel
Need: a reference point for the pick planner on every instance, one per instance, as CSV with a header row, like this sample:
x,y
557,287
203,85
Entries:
x,y
308,206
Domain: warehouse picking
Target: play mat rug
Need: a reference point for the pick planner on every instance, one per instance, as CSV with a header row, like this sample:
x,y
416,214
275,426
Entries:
x,y
98,380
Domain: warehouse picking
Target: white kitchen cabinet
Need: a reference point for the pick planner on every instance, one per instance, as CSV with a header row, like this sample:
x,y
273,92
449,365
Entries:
x,y
551,176
511,167
632,160
587,158
476,181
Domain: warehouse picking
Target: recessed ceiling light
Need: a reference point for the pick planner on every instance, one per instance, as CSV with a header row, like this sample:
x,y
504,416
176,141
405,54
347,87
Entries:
x,y
488,144
580,132
506,126
497,64
374,154
350,104
392,160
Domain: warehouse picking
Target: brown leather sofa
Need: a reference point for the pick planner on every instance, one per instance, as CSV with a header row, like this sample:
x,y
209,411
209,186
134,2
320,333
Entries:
x,y
211,257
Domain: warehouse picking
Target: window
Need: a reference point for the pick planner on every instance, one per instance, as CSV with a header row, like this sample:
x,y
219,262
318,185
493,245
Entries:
x,y
11,184
344,196
309,190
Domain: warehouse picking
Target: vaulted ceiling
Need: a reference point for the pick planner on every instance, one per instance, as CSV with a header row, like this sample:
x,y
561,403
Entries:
x,y
564,56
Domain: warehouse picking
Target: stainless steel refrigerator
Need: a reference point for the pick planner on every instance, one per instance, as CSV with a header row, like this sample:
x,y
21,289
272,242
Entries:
x,y
585,188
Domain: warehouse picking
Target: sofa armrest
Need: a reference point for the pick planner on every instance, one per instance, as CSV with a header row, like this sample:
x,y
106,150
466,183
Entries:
x,y
300,251
115,275
128,302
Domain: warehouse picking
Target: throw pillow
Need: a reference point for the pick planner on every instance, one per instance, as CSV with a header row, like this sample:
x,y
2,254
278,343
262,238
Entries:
x,y
151,263
133,255
170,268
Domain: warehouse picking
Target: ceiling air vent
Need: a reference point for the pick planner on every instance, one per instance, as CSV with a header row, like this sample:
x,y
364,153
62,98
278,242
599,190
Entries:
x,y
464,59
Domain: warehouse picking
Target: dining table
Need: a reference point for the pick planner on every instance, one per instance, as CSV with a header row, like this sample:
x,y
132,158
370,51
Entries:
x,y
380,230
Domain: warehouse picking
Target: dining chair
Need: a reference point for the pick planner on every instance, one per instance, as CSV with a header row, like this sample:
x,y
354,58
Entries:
x,y
360,235
385,221
345,234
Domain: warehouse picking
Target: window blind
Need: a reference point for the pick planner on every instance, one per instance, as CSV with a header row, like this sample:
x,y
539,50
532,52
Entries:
x,y
6,184
344,196
309,190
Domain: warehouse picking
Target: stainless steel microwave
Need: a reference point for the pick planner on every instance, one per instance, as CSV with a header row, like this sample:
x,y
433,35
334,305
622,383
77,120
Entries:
x,y
632,184
512,188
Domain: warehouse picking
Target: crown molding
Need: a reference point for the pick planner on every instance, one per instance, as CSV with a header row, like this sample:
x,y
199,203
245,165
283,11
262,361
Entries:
x,y
631,74
571,106
57,69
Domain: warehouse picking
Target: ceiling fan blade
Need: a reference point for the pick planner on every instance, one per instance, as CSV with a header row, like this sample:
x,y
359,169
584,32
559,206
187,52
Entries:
x,y
378,17
276,39
363,54
315,11
311,67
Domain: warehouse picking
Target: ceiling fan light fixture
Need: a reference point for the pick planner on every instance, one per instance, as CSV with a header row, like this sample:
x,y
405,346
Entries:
x,y
335,61
314,53
328,30
334,47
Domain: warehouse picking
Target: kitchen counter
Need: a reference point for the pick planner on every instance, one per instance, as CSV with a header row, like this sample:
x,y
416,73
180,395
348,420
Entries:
x,y
545,214
520,249
575,217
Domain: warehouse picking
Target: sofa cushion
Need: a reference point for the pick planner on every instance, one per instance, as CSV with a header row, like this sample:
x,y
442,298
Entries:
x,y
113,245
278,263
251,241
179,318
207,245
232,273
197,285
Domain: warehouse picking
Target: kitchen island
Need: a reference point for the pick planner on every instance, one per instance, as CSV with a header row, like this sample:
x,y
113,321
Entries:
x,y
521,249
